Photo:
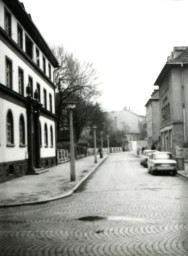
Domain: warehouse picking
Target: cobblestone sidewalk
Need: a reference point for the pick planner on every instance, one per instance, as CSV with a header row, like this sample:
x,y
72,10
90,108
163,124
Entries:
x,y
50,185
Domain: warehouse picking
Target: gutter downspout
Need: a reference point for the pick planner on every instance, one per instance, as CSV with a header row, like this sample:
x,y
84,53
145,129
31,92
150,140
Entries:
x,y
183,102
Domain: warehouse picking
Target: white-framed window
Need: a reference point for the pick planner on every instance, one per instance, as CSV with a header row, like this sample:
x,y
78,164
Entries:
x,y
8,71
50,101
45,135
8,21
10,128
28,47
21,81
44,98
22,130
37,57
20,36
51,137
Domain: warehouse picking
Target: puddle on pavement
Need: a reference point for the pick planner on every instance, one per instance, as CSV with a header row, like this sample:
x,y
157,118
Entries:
x,y
92,218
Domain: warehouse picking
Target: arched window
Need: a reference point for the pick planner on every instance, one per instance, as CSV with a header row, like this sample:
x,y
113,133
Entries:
x,y
51,137
10,128
45,135
22,130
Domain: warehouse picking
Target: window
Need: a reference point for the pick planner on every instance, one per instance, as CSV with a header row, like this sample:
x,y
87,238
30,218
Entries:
x,y
166,112
30,84
44,99
8,27
50,101
49,70
10,129
20,81
20,36
37,57
44,64
51,136
38,89
45,136
28,47
170,138
8,73
22,130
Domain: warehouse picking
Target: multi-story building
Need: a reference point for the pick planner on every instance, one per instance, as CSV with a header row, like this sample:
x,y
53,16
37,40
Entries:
x,y
153,120
130,123
27,90
173,95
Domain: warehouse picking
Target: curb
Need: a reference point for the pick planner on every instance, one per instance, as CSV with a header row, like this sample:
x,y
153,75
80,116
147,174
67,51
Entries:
x,y
89,174
57,197
182,175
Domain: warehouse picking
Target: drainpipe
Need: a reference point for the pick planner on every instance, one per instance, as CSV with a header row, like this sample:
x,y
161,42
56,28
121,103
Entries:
x,y
183,103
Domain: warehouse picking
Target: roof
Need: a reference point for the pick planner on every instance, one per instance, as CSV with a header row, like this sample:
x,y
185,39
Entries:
x,y
178,57
24,18
154,97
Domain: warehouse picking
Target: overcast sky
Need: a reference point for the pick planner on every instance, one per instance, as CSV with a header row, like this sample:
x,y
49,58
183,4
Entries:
x,y
127,41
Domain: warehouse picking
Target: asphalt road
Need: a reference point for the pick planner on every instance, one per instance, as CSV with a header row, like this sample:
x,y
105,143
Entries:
x,y
121,210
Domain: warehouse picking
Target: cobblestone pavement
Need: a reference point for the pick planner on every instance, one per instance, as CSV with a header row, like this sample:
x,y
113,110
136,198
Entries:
x,y
121,210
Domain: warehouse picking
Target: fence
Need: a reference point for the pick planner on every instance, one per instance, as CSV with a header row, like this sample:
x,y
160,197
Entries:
x,y
62,155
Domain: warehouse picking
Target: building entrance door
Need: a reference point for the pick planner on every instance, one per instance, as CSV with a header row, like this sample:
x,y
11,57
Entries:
x,y
36,141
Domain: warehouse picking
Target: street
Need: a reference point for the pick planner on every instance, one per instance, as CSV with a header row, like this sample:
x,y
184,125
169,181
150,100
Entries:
x,y
120,210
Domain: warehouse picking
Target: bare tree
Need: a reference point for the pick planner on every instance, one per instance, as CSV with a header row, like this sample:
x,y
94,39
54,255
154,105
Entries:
x,y
73,78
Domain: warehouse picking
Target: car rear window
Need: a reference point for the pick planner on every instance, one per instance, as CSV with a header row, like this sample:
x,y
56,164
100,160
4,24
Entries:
x,y
163,156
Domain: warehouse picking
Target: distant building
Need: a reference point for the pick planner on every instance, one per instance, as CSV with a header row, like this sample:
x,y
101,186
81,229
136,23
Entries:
x,y
132,124
27,104
173,98
153,120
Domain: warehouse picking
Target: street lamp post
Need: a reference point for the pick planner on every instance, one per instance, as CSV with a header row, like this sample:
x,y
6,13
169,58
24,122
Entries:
x,y
94,137
108,143
70,107
101,155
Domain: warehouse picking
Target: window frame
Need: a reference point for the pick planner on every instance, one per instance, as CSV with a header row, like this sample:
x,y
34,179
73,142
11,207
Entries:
x,y
44,64
50,101
21,91
8,22
37,53
45,135
51,137
9,129
21,131
45,98
29,51
49,71
10,83
30,79
39,91
20,34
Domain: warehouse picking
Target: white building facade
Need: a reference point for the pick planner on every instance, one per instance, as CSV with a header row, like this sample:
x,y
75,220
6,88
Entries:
x,y
27,94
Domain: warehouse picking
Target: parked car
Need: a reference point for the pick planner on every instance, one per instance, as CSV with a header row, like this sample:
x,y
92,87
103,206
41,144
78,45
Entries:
x,y
162,162
144,156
